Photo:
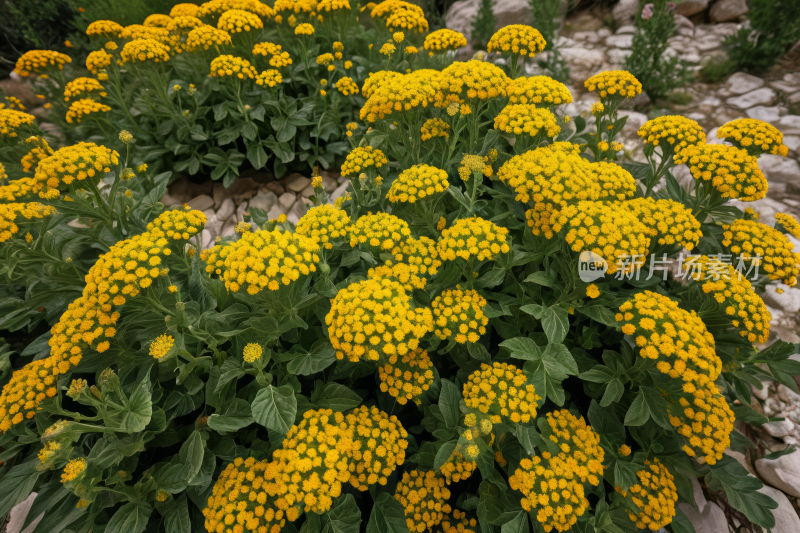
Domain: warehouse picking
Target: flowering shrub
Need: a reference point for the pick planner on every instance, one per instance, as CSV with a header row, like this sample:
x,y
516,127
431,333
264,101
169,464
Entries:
x,y
481,332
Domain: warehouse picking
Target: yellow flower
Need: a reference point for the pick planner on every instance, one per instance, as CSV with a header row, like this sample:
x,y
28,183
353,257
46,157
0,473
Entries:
x,y
325,224
729,170
672,132
304,29
252,352
435,127
204,37
387,49
74,468
615,182
541,91
598,109
553,486
441,224
458,315
217,7
13,214
269,78
668,222
517,39
81,109
140,31
399,15
519,119
655,495
40,61
624,450
755,136
417,183
457,468
12,120
347,86
376,79
98,60
374,319
398,37
232,67
379,444
593,291
379,232
471,80
500,393
443,40
423,496
472,238
278,57
362,158
144,50
184,10
79,86
614,85
142,167
104,28
126,137
391,94
758,243
239,20
407,377
73,164
157,20
788,223
410,50
161,346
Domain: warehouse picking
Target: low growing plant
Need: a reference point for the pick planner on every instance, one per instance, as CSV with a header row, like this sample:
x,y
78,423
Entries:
x,y
482,334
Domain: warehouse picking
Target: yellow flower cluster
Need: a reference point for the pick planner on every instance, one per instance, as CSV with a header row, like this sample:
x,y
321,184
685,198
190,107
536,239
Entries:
x,y
397,94
36,61
16,189
79,86
471,80
347,86
304,29
139,31
379,232
157,20
614,84
252,352
142,50
97,61
216,7
388,49
232,66
423,496
263,260
541,91
672,132
443,40
755,136
435,127
758,243
373,318
458,315
362,158
610,231
407,377
517,39
668,222
417,183
379,444
399,15
12,120
730,170
325,224
459,524
655,495
278,57
457,468
205,37
789,223
548,179
418,259
78,162
553,485
333,5
82,108
519,119
184,10
239,20
616,183
269,78
472,238
73,470
180,26
161,346
376,80
104,28
684,349
40,151
10,215
296,6
501,393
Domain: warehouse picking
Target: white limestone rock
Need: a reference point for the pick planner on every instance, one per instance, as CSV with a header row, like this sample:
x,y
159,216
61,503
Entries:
x,y
782,473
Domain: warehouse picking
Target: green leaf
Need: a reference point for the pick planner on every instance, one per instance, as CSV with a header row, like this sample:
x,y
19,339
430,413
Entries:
x,y
625,474
529,438
598,374
540,278
231,369
742,491
130,518
191,455
600,313
518,524
555,322
275,408
136,410
657,406
17,485
321,356
444,454
606,423
638,413
492,278
232,417
345,517
337,397
387,516
449,397
176,519
523,348
535,310
681,523
613,393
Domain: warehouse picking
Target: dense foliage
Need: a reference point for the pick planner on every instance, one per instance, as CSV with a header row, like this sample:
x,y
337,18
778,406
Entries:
x,y
477,336
774,26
